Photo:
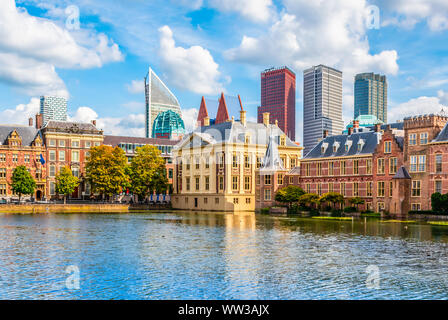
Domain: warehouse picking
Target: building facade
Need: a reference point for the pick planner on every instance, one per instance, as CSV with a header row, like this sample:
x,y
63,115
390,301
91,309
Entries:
x,y
53,108
21,145
278,98
158,98
216,165
322,104
168,125
371,95
67,145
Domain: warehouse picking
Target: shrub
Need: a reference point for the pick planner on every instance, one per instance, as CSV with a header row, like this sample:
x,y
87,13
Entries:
x,y
264,210
423,212
294,209
349,209
336,213
314,212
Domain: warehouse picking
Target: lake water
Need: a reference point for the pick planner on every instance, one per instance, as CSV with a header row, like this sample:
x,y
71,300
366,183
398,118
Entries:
x,y
219,256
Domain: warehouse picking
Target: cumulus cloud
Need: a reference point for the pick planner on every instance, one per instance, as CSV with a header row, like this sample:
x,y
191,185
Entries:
x,y
190,117
191,69
31,48
418,106
136,86
21,113
255,10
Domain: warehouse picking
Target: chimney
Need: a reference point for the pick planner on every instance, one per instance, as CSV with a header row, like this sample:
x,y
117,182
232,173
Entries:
x,y
356,124
30,122
233,119
350,130
325,133
94,122
377,127
39,121
243,117
266,118
206,121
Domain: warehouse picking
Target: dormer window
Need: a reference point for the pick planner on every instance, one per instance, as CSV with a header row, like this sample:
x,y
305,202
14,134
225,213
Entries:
x,y
360,145
335,147
247,139
348,144
324,148
282,140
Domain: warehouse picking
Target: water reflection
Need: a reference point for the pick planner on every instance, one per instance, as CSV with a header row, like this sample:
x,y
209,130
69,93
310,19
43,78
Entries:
x,y
191,255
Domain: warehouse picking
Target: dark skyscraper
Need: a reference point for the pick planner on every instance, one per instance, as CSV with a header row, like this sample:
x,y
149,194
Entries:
x,y
278,97
371,95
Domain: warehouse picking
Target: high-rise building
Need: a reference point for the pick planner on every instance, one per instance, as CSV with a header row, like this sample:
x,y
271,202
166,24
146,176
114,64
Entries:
x,y
158,98
322,104
371,95
53,108
278,97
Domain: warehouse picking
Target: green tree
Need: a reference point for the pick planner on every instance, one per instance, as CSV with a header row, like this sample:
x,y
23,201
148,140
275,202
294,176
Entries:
x,y
66,182
332,197
106,170
439,202
148,171
289,194
309,199
356,201
22,181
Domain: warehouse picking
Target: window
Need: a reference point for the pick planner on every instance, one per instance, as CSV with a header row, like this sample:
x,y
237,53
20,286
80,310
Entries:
x,y
207,183
412,139
247,183
439,163
61,155
307,169
416,207
234,183
418,163
235,200
187,164
15,158
343,188
393,165
267,194
282,140
246,162
207,163
62,143
197,162
381,206
424,138
291,180
3,189
267,180
75,172
170,173
416,188
75,143
187,180
216,200
97,144
343,167
283,160
75,156
280,179
369,166
247,200
52,188
205,200
52,170
52,143
235,161
2,157
355,189
330,168
2,172
380,188
438,186
247,139
355,166
293,162
319,188
387,146
380,168
369,188
391,188
221,183
331,187
88,144
26,158
197,183
258,162
52,155
308,188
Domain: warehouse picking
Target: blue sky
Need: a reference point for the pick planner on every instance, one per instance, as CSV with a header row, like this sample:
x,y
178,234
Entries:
x,y
203,47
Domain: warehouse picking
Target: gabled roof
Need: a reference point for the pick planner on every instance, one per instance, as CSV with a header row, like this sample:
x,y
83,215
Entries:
x,y
443,135
203,113
271,160
402,173
369,141
28,134
223,114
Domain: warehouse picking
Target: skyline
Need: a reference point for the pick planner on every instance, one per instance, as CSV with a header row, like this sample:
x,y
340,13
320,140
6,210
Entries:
x,y
101,66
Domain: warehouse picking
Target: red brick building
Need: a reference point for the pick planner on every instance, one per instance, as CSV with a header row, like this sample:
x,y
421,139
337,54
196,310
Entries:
x,y
278,98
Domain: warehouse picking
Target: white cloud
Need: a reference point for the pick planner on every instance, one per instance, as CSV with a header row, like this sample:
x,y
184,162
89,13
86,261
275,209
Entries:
x,y
31,48
407,13
443,97
191,69
136,86
417,106
134,105
21,113
255,10
190,117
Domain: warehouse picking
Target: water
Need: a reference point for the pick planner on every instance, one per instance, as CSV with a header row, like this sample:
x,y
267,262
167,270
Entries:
x,y
219,256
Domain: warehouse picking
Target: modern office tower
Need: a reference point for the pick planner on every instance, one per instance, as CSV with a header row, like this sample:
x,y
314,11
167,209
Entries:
x,y
322,104
158,98
371,95
53,108
278,97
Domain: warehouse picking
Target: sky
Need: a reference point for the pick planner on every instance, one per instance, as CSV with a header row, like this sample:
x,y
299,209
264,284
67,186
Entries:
x,y
97,52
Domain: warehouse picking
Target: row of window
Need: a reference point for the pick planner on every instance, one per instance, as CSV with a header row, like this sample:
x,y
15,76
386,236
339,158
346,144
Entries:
x,y
74,143
413,138
235,183
61,155
52,171
235,162
15,157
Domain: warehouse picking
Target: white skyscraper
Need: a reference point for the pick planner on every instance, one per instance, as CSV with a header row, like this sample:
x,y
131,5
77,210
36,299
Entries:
x,y
53,108
322,104
158,98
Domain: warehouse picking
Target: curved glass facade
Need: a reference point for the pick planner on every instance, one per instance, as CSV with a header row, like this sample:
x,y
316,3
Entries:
x,y
168,125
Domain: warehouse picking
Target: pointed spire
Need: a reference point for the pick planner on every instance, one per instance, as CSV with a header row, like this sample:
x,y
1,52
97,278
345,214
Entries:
x,y
241,105
271,161
222,115
203,113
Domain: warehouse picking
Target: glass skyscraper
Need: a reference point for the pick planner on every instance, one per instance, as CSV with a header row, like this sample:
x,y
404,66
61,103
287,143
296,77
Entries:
x,y
53,108
322,104
158,98
371,95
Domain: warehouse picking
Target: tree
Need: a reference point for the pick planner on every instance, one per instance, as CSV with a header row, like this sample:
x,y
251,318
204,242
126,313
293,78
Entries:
x,y
66,182
22,181
332,197
106,170
289,194
439,202
148,172
309,199
356,201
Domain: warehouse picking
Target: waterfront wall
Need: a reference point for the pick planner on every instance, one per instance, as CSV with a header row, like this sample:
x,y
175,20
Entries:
x,y
74,208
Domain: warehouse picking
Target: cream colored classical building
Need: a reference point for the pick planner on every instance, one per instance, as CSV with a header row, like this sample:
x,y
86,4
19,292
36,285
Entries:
x,y
215,166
